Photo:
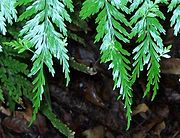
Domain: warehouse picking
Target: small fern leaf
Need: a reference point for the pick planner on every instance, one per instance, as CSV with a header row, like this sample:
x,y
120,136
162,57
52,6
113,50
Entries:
x,y
175,19
7,14
57,123
19,45
91,7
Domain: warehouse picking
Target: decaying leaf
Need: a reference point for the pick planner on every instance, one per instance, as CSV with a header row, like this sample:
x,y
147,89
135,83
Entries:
x,y
27,114
141,108
96,132
89,91
159,127
5,111
17,125
170,66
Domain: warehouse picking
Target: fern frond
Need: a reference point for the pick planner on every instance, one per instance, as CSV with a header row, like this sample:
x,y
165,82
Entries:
x,y
150,48
19,45
13,78
175,19
57,122
110,29
7,14
48,43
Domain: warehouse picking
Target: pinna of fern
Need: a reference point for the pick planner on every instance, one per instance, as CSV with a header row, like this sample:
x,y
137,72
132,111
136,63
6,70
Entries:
x,y
7,14
150,45
13,80
110,30
175,19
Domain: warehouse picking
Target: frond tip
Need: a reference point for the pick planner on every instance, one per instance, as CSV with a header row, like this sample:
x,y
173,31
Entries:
x,y
7,14
175,19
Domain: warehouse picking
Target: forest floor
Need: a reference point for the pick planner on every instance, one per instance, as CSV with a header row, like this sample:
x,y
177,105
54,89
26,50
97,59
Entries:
x,y
89,106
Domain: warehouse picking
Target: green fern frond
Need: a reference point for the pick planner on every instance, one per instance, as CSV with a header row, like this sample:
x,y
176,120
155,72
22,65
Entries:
x,y
110,29
57,122
7,14
19,45
150,48
48,43
13,78
175,19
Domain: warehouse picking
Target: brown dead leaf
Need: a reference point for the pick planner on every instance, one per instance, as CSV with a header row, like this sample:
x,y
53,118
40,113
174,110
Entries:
x,y
146,127
159,114
5,111
159,127
96,132
170,66
140,134
169,37
15,124
90,93
141,108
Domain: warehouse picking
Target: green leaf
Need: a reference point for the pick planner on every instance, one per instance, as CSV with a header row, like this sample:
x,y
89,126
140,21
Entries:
x,y
173,4
19,45
57,123
23,2
7,14
69,4
150,47
13,79
111,29
135,4
43,17
175,19
91,7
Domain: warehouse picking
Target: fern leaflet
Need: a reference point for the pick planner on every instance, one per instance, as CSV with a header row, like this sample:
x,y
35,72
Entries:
x,y
151,48
7,14
175,19
110,29
56,122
